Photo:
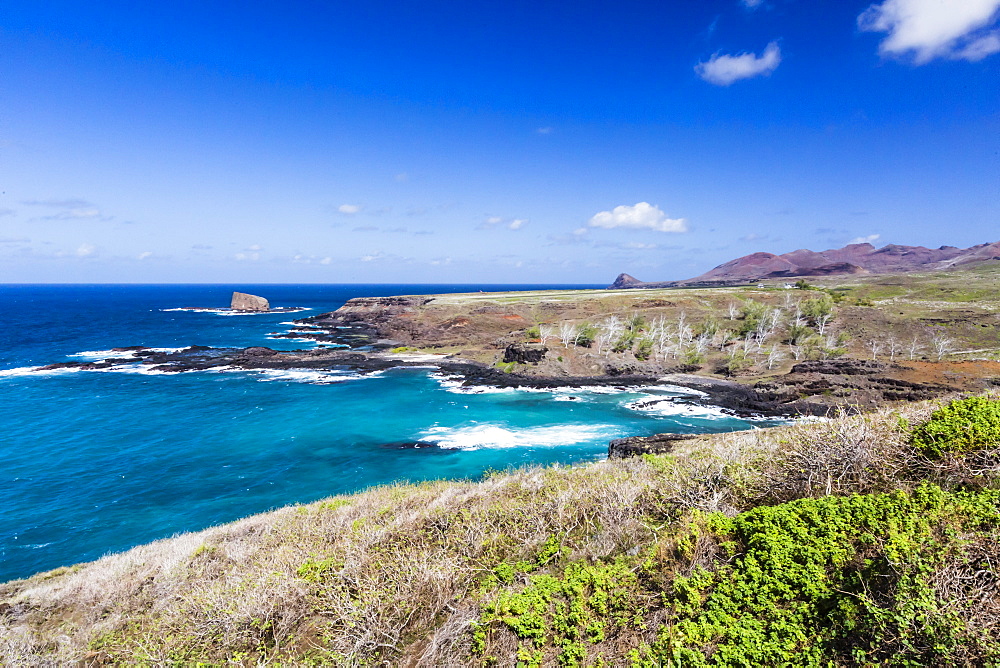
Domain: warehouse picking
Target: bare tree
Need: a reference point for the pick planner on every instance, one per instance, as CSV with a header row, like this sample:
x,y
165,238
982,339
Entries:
x,y
894,346
876,347
608,331
942,345
914,348
822,322
734,310
567,333
774,355
546,332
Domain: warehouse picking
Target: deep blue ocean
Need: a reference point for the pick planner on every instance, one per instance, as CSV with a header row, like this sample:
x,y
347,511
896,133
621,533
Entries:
x,y
93,462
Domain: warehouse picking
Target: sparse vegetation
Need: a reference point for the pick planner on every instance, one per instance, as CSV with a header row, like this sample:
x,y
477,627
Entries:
x,y
833,542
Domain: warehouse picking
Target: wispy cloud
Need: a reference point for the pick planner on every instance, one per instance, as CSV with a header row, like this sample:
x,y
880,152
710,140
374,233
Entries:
x,y
641,216
249,254
14,240
723,69
751,4
923,30
349,209
498,221
59,203
86,250
870,239
547,130
301,258
69,209
7,212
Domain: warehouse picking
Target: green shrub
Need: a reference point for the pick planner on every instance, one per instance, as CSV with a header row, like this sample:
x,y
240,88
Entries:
x,y
814,309
961,426
814,582
644,350
585,335
624,342
533,332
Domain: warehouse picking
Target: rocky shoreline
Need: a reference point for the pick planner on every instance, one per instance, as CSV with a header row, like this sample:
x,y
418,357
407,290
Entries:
x,y
374,334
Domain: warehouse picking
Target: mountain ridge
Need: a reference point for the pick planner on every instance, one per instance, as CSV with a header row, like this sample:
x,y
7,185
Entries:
x,y
852,259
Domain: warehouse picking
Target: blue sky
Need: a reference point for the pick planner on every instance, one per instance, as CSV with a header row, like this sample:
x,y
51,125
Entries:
x,y
486,142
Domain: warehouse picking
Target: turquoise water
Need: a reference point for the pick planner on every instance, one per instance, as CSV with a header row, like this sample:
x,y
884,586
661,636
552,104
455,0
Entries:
x,y
96,462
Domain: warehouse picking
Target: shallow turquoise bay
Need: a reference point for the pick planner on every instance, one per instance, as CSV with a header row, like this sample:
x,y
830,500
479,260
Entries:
x,y
95,462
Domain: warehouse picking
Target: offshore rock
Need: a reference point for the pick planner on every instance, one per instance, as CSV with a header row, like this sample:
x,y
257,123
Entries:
x,y
244,302
657,444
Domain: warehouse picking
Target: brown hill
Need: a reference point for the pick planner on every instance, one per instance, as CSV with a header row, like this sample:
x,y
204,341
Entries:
x,y
851,259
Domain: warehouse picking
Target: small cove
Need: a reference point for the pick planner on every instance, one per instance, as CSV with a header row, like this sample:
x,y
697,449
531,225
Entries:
x,y
95,462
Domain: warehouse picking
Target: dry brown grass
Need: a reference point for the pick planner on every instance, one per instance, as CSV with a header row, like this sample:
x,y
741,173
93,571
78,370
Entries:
x,y
390,576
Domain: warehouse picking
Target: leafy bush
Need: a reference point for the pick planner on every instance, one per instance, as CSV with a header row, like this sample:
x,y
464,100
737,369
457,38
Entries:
x,y
624,342
751,314
814,309
851,580
961,426
533,332
644,350
585,335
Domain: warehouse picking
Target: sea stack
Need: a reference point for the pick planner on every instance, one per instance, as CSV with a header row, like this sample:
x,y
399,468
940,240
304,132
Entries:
x,y
244,302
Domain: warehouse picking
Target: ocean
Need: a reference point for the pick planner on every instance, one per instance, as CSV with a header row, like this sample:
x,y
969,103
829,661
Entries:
x,y
93,462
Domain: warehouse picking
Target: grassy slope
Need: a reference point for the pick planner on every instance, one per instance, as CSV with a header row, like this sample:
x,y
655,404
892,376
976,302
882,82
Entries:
x,y
614,561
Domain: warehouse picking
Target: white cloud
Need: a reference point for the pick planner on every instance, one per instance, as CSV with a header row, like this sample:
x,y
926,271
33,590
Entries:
x,y
326,260
929,29
76,214
635,245
723,70
57,203
642,216
978,49
752,4
870,239
372,257
402,177
349,209
544,131
492,222
86,250
247,257
144,255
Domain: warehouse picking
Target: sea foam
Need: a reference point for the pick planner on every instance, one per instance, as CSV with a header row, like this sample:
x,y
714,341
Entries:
x,y
502,436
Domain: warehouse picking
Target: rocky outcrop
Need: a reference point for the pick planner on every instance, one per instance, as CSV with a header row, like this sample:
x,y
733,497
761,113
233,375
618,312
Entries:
x,y
524,353
657,444
246,302
625,281
848,383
